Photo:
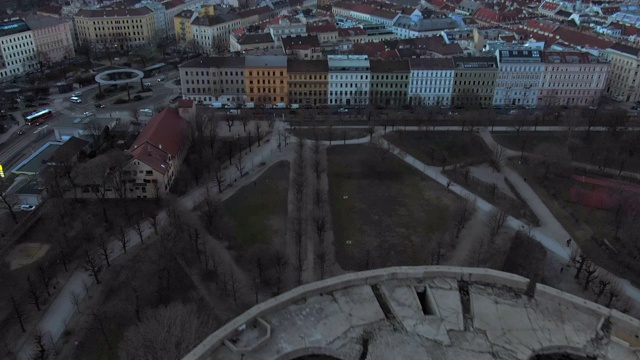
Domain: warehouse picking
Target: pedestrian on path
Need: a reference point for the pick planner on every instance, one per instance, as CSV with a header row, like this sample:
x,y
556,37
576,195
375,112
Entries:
x,y
568,242
561,269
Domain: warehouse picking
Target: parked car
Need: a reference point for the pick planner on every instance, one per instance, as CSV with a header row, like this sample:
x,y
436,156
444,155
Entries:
x,y
75,99
20,132
343,110
77,94
99,105
147,112
162,78
27,207
88,113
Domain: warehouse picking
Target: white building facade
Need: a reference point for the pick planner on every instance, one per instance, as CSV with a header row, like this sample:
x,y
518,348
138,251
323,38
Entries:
x,y
17,48
519,77
213,79
431,81
53,37
572,79
349,79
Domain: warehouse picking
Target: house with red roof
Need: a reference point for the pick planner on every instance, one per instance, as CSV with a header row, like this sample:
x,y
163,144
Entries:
x,y
156,155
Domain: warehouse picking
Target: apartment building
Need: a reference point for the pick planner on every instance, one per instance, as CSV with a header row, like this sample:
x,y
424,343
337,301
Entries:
x,y
624,78
120,28
182,26
211,32
17,48
286,28
157,154
349,79
308,82
572,79
213,79
431,81
414,25
389,82
365,12
266,79
474,81
305,47
53,37
519,78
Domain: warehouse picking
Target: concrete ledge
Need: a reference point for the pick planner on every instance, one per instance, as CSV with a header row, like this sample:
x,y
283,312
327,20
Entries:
x,y
472,275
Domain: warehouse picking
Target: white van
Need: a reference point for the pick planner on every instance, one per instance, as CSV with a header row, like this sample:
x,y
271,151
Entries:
x,y
217,105
75,99
280,106
249,105
233,112
295,106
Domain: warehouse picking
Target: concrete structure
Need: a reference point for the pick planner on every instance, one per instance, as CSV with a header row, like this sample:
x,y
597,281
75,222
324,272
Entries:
x,y
431,81
624,77
308,81
389,82
349,79
37,161
157,155
572,79
83,128
430,312
120,28
474,81
519,78
266,79
53,37
17,48
285,28
210,79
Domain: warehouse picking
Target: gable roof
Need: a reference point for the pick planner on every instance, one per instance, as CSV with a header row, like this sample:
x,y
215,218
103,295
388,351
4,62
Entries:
x,y
68,150
161,139
626,49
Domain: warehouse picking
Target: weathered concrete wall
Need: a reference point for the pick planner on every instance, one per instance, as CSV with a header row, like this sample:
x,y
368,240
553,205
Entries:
x,y
472,275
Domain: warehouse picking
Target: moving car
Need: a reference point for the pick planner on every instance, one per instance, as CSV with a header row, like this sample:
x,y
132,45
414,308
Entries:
x,y
75,99
343,110
27,207
77,94
162,78
88,113
20,132
99,105
147,112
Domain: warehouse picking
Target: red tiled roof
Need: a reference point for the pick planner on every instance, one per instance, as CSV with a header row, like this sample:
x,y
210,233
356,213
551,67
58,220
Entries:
x,y
370,48
609,10
438,3
106,13
541,25
630,31
389,54
185,103
50,9
549,6
172,4
581,39
448,7
162,137
352,31
320,27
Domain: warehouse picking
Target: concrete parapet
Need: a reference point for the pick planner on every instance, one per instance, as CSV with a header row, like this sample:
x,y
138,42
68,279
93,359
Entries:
x,y
371,277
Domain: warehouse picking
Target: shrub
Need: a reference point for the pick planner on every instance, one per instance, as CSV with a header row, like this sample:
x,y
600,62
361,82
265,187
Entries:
x,y
120,101
100,96
137,98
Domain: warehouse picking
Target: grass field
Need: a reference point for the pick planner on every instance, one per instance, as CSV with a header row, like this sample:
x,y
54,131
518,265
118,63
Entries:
x,y
257,213
383,211
432,147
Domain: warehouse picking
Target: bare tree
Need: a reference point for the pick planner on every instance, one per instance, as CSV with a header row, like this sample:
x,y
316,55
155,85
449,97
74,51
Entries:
x,y
42,350
220,178
229,121
239,165
7,200
614,291
19,313
235,286
258,131
104,250
245,121
321,260
45,279
381,147
135,115
495,221
166,333
280,267
123,239
590,274
601,286
34,293
320,223
92,263
498,153
580,261
138,228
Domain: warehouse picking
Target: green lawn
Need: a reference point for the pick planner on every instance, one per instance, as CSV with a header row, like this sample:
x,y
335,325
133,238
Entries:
x,y
432,147
257,213
383,211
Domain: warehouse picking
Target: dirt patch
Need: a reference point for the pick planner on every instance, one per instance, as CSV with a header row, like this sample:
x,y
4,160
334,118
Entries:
x,y
25,254
440,148
383,211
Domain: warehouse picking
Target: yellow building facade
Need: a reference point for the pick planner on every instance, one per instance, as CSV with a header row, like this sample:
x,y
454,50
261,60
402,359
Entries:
x,y
266,79
120,28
